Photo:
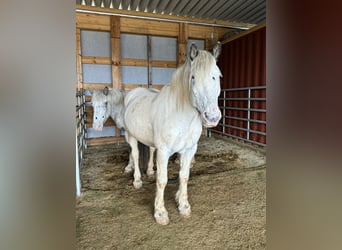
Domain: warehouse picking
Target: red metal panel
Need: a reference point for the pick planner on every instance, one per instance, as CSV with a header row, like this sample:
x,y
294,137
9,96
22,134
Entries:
x,y
243,64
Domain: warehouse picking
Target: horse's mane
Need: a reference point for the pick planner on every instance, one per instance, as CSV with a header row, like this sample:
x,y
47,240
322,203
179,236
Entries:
x,y
180,82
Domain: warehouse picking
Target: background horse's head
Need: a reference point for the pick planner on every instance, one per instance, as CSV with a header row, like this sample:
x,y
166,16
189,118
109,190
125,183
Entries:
x,y
204,81
100,105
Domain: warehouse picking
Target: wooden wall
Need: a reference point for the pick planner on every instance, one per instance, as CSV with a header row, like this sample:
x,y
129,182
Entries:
x,y
117,25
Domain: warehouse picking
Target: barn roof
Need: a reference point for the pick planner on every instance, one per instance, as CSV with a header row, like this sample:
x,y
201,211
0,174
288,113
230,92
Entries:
x,y
243,14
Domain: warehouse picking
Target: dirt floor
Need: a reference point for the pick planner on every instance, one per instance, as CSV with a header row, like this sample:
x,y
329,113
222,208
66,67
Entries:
x,y
227,193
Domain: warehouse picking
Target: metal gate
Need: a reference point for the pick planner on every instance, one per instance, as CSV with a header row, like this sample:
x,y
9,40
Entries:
x,y
243,114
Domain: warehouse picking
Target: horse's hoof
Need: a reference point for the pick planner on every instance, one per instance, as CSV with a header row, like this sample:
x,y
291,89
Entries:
x,y
162,218
137,184
128,169
150,173
185,211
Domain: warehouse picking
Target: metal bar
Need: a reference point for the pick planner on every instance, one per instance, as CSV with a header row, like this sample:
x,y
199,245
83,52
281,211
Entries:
x,y
245,119
246,109
78,178
224,110
249,98
245,99
245,88
239,138
248,113
244,129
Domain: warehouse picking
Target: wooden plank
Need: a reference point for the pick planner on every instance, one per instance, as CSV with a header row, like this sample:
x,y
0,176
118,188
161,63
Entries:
x,y
148,27
149,58
182,42
96,85
164,64
262,25
78,59
166,18
92,21
105,140
130,86
144,63
116,54
134,62
96,60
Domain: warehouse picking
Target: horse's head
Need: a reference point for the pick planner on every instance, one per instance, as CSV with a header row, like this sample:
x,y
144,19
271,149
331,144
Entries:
x,y
204,80
100,108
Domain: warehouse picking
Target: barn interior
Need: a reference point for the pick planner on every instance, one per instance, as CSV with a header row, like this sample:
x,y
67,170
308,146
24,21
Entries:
x,y
139,43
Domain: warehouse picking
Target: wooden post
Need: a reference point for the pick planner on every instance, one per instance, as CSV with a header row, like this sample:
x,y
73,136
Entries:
x,y
116,57
182,42
78,60
149,58
115,45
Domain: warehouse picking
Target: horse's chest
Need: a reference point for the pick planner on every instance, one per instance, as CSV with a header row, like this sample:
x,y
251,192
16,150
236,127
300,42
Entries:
x,y
180,134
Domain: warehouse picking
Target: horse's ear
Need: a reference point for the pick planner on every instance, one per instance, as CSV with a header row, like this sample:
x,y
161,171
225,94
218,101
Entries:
x,y
193,52
217,50
87,92
105,91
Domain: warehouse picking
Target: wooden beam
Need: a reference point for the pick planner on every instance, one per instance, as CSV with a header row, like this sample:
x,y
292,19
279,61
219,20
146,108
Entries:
x,y
96,85
161,17
105,140
148,27
260,26
149,58
96,60
164,64
115,45
92,22
182,42
134,62
78,59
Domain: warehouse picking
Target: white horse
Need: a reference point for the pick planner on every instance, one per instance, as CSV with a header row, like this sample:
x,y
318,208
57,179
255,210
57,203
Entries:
x,y
109,102
171,121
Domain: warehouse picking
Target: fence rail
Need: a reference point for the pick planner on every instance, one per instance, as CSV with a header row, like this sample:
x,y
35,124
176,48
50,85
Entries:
x,y
237,122
81,132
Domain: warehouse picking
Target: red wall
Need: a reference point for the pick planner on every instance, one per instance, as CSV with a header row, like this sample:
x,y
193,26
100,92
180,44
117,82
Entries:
x,y
243,64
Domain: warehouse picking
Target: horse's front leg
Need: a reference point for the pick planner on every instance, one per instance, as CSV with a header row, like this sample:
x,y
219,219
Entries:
x,y
137,183
160,213
184,207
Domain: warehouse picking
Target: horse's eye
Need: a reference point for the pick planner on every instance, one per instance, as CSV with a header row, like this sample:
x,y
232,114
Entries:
x,y
192,77
214,78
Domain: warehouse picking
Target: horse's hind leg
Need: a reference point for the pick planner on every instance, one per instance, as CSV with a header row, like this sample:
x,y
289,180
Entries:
x,y
137,183
130,165
184,207
150,171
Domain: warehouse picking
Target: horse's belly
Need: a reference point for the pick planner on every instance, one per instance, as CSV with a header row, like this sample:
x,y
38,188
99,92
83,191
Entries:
x,y
137,122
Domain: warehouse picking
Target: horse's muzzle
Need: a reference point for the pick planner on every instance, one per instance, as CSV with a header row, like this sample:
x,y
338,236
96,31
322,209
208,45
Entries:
x,y
211,116
97,127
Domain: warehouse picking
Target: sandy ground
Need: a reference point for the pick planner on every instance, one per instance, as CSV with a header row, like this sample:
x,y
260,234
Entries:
x,y
227,193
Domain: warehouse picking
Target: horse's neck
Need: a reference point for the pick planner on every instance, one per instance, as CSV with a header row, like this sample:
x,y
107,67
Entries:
x,y
116,112
174,104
